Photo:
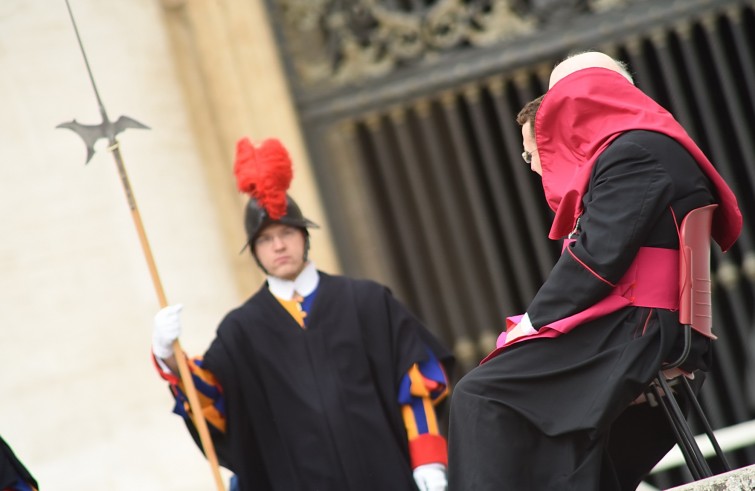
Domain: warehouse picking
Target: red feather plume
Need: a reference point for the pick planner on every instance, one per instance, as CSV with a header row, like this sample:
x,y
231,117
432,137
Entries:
x,y
264,173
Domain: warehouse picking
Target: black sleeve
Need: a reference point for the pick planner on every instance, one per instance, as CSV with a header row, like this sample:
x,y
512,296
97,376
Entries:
x,y
11,469
409,330
628,192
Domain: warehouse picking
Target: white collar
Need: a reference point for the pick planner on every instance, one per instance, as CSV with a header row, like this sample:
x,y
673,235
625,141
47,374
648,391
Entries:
x,y
304,284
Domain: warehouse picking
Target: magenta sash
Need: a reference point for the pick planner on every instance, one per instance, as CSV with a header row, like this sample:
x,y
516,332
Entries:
x,y
652,280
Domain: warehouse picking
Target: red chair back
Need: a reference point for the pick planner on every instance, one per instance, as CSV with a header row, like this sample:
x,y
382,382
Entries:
x,y
695,308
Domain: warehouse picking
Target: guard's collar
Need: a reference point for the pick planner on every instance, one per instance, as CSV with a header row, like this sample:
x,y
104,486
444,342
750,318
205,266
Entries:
x,y
304,284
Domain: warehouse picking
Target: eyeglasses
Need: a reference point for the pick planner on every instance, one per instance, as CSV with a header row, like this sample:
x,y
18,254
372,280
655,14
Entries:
x,y
527,156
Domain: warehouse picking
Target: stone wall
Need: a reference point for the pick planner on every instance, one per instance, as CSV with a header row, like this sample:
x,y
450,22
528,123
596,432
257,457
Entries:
x,y
82,406
737,480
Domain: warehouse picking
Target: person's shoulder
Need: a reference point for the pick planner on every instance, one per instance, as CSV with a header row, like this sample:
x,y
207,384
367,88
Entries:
x,y
644,138
246,309
357,284
230,320
646,146
637,147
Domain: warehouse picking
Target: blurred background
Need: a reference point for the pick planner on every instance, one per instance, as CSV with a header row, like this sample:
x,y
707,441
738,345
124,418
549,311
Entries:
x,y
400,119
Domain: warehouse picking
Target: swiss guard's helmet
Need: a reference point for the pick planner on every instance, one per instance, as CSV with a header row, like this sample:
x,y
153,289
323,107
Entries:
x,y
264,173
256,218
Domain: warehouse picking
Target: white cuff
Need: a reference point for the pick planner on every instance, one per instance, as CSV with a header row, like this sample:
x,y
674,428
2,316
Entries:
x,y
526,325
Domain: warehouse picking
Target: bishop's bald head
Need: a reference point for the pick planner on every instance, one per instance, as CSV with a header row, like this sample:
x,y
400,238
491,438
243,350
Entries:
x,y
588,59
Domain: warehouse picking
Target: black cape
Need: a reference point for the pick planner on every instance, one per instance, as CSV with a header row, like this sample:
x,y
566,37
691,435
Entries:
x,y
316,408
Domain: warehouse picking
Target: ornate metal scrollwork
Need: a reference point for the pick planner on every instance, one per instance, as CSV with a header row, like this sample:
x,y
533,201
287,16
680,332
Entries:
x,y
338,42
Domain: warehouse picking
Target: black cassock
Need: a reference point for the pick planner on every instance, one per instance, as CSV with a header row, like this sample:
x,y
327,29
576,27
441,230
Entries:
x,y
552,414
316,408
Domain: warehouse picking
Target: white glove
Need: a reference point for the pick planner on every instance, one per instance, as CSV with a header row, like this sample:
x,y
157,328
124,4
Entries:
x,y
166,329
431,477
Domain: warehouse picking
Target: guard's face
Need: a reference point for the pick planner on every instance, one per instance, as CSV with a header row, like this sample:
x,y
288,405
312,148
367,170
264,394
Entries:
x,y
530,149
280,250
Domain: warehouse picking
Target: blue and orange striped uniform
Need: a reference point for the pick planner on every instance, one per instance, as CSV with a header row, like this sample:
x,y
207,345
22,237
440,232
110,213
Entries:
x,y
422,388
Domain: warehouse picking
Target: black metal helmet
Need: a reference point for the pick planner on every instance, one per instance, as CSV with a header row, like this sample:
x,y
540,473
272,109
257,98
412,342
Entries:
x,y
256,218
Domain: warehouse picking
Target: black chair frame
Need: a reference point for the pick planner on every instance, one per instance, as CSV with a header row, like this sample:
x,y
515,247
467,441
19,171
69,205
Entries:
x,y
695,312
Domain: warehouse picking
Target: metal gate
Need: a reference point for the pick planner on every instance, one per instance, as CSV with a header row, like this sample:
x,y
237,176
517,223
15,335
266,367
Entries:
x,y
409,106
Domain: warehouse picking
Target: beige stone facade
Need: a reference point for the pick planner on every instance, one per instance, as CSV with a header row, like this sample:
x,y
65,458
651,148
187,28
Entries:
x,y
82,406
